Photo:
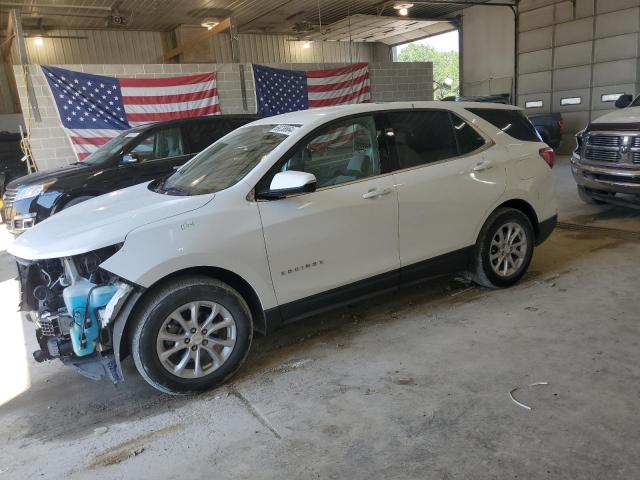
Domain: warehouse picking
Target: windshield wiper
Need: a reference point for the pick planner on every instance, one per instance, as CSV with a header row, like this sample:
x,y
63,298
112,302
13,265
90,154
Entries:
x,y
174,191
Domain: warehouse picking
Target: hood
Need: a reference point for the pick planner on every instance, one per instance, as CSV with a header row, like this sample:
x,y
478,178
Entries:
x,y
100,222
624,115
48,175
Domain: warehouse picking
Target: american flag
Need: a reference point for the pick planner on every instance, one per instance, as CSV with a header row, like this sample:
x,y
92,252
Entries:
x,y
94,108
280,91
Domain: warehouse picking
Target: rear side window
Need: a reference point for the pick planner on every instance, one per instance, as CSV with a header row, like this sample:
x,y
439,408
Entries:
x,y
469,139
511,122
422,137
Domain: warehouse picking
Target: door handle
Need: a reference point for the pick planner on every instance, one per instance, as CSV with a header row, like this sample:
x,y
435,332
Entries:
x,y
483,165
376,193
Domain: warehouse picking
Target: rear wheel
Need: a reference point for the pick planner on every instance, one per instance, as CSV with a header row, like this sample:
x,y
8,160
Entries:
x,y
504,249
191,335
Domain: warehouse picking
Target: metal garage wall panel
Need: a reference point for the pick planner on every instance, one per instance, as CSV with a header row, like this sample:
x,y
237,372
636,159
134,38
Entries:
x,y
614,73
573,55
102,46
564,12
617,23
574,32
584,8
557,97
536,40
535,82
526,5
535,97
605,6
572,78
535,61
575,121
598,104
616,48
541,17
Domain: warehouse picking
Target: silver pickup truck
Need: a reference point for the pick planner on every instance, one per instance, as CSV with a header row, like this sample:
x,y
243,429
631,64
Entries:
x,y
606,161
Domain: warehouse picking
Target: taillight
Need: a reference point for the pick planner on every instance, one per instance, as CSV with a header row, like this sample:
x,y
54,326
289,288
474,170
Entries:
x,y
548,155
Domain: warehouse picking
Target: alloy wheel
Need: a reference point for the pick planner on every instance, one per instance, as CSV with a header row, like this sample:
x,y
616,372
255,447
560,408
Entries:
x,y
196,339
508,249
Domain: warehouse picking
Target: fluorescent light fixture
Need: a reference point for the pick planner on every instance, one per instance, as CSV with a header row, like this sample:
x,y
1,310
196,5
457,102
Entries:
x,y
534,104
403,8
306,45
571,101
610,97
39,41
209,23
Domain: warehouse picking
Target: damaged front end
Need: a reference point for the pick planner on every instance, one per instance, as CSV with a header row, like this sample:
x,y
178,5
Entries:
x,y
73,303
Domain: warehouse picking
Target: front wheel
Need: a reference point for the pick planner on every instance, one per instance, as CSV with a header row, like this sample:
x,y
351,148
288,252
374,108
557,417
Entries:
x,y
191,335
504,249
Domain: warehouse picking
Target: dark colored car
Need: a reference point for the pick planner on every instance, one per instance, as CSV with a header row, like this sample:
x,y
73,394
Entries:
x,y
135,156
550,127
11,166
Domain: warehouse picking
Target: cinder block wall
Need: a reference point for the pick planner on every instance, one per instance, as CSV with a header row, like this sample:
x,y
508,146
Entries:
x,y
51,148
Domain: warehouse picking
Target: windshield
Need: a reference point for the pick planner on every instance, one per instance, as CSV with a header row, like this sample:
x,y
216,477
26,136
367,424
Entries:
x,y
227,161
111,148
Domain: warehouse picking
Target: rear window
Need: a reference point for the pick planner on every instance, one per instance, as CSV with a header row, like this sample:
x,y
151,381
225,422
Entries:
x,y
511,122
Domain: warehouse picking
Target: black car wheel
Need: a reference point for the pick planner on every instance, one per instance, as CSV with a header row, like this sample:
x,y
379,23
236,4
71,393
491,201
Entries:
x,y
504,249
191,335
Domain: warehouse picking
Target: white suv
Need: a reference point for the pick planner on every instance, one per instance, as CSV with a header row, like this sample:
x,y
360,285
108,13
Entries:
x,y
281,219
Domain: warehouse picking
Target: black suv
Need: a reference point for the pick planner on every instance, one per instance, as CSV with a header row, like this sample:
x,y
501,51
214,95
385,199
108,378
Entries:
x,y
11,166
135,156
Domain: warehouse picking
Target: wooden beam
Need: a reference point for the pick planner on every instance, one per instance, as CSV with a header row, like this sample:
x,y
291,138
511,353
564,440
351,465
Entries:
x,y
8,67
197,39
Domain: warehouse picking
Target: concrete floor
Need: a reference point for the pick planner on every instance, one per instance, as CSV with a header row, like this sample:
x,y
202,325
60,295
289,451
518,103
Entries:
x,y
410,385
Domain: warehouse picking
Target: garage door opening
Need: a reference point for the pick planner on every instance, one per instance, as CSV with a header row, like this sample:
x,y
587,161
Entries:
x,y
443,50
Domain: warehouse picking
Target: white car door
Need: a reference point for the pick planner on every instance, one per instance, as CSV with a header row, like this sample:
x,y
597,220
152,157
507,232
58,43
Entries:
x,y
344,234
448,177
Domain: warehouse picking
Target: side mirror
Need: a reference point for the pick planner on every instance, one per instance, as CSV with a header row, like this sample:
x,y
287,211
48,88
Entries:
x,y
290,183
129,158
624,101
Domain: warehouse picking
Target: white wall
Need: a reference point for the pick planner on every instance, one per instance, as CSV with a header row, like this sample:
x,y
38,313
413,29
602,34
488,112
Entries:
x,y
488,50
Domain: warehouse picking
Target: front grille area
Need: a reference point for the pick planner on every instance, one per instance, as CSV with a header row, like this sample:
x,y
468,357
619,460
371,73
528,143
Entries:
x,y
635,157
604,141
635,143
9,196
600,155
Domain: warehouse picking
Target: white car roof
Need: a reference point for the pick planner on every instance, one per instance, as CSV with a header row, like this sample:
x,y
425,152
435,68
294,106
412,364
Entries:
x,y
324,114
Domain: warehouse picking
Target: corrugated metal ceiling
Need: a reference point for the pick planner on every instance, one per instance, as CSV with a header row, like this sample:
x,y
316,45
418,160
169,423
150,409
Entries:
x,y
260,16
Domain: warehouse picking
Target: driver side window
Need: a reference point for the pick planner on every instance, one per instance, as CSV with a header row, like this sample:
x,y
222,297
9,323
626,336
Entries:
x,y
344,152
160,144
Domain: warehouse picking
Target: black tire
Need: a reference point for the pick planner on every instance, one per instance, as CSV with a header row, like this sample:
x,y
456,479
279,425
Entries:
x,y
76,201
159,305
586,196
482,270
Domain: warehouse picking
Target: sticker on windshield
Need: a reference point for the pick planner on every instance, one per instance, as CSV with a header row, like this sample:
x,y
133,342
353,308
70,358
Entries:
x,y
284,129
132,134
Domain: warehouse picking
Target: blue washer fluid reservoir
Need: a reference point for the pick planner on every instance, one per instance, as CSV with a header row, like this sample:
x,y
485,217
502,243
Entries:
x,y
85,331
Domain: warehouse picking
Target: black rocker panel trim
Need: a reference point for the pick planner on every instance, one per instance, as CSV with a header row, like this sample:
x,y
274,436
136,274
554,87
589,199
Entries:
x,y
354,292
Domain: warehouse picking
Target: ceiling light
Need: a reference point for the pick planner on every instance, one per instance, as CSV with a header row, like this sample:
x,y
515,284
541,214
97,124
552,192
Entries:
x,y
306,45
209,23
403,8
39,41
